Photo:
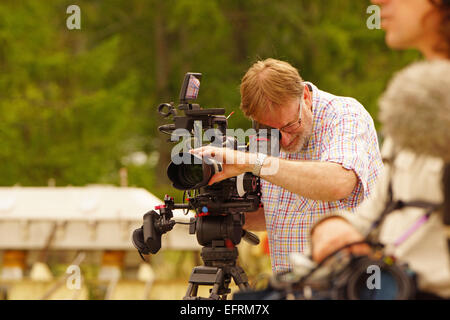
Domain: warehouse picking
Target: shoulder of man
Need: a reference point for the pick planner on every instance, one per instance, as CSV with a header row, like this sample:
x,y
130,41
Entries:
x,y
333,102
333,107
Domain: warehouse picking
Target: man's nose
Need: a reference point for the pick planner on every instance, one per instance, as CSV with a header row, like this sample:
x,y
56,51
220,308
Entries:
x,y
286,138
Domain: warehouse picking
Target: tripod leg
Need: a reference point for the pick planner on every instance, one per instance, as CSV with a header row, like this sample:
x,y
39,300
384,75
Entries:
x,y
244,286
240,278
220,288
191,291
205,276
215,292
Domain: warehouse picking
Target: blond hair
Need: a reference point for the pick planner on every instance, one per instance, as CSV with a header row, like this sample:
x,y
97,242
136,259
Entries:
x,y
269,84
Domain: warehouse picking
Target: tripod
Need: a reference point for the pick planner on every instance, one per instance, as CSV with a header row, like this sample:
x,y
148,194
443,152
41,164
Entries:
x,y
220,267
219,258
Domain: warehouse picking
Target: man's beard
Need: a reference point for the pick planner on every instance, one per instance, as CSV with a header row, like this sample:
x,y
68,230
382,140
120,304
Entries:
x,y
300,140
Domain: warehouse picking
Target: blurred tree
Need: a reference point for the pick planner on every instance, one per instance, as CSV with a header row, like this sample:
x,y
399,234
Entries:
x,y
77,105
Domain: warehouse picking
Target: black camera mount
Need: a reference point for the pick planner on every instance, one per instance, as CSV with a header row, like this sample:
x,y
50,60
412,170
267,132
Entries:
x,y
218,234
219,208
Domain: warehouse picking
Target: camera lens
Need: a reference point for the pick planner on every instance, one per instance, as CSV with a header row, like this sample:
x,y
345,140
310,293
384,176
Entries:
x,y
387,290
191,174
376,280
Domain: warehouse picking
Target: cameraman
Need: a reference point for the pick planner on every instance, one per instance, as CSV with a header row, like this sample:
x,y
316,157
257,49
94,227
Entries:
x,y
415,113
329,155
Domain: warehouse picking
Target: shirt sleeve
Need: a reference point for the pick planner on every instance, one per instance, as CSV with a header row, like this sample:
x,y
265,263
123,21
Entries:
x,y
371,208
348,144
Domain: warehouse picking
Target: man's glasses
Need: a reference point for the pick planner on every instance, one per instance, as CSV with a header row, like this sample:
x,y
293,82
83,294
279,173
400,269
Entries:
x,y
293,127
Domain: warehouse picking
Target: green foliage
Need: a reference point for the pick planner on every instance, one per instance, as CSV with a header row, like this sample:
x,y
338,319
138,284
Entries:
x,y
75,103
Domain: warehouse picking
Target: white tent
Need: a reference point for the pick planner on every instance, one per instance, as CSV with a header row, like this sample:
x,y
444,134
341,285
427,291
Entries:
x,y
85,218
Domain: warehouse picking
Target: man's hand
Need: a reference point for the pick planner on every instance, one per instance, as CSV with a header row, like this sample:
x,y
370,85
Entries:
x,y
233,162
332,234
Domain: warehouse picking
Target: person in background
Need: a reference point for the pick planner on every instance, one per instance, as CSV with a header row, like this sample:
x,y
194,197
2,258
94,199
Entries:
x,y
423,25
415,113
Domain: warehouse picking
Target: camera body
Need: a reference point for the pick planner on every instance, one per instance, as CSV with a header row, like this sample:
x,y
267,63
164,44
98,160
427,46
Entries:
x,y
219,208
375,277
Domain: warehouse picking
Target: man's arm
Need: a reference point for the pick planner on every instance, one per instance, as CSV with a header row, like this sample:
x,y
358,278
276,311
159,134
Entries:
x,y
326,181
334,233
341,228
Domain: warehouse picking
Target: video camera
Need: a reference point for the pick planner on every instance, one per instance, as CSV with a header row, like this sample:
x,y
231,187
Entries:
x,y
219,208
341,276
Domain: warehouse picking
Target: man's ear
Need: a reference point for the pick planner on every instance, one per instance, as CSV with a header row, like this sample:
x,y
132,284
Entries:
x,y
307,97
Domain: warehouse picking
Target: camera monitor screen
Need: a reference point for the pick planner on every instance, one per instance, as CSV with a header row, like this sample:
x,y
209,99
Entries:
x,y
191,86
192,89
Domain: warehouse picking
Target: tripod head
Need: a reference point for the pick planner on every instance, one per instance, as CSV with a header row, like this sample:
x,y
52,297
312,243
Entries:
x,y
227,228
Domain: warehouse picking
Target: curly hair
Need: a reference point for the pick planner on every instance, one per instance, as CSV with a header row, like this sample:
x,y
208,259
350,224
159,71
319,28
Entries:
x,y
444,9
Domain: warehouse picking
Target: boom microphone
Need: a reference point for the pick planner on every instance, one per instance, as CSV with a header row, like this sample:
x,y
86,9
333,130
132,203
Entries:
x,y
415,108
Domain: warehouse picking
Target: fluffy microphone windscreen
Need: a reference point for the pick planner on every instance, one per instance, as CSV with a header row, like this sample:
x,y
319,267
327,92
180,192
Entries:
x,y
415,108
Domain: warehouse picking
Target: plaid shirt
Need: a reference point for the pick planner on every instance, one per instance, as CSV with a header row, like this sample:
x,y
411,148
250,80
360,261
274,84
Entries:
x,y
344,133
